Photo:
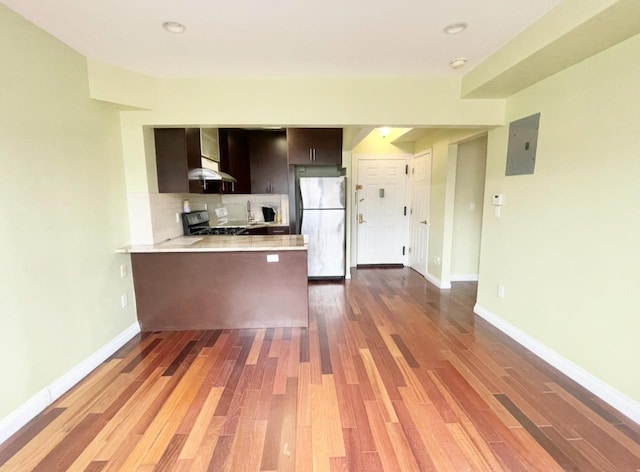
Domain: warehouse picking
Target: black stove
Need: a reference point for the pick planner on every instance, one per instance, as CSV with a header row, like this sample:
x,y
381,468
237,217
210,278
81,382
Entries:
x,y
196,223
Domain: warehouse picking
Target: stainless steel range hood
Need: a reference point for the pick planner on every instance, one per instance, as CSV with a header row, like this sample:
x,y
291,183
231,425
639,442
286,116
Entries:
x,y
205,174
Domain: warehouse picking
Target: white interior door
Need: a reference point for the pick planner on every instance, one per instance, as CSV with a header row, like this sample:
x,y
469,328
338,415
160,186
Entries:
x,y
381,221
420,195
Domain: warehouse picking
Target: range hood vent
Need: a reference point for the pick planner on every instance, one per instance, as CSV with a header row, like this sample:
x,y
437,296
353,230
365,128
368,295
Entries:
x,y
202,173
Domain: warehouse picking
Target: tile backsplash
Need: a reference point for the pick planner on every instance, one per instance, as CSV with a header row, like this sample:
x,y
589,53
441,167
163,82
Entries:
x,y
237,206
153,217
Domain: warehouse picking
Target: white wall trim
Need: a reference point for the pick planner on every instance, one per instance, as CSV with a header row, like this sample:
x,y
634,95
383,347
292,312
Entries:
x,y
613,397
45,397
464,278
437,282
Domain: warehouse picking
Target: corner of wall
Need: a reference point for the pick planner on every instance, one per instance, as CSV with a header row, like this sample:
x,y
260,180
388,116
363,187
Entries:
x,y
119,86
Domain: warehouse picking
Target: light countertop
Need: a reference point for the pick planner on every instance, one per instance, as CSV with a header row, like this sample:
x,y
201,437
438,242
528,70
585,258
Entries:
x,y
223,244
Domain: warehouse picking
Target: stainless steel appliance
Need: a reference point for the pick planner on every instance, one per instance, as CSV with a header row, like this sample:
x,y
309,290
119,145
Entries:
x,y
197,223
323,217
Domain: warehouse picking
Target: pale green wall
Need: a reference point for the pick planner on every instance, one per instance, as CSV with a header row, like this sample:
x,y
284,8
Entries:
x,y
467,221
570,32
123,87
443,144
61,161
288,102
567,245
375,144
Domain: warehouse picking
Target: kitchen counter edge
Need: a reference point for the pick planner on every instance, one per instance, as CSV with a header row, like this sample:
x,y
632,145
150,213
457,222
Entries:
x,y
222,244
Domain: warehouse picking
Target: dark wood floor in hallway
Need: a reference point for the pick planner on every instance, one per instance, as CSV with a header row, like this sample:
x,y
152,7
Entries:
x,y
392,375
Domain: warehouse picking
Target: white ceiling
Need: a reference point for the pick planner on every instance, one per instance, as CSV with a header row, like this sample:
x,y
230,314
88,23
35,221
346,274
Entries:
x,y
294,38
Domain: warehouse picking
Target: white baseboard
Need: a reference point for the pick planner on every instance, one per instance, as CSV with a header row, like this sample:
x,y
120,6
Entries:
x,y
437,282
464,278
45,397
604,391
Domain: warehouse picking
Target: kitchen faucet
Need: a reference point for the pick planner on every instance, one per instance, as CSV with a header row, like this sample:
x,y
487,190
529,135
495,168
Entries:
x,y
249,215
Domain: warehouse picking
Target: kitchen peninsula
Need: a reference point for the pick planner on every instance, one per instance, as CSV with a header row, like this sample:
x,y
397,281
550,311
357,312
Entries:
x,y
221,282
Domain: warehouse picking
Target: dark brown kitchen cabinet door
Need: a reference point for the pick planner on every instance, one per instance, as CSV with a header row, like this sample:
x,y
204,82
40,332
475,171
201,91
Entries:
x,y
234,159
256,231
269,170
314,146
277,230
177,152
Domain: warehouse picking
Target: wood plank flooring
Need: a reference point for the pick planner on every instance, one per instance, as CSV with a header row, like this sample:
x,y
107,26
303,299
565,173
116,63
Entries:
x,y
391,375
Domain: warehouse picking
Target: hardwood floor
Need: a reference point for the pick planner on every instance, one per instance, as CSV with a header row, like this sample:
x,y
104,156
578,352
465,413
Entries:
x,y
392,375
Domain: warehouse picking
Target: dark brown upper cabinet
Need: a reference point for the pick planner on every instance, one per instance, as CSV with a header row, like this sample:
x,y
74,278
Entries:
x,y
177,152
314,146
269,170
235,158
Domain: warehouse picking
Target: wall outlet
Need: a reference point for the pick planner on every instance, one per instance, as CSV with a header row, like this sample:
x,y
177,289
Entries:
x,y
123,270
437,260
500,291
124,300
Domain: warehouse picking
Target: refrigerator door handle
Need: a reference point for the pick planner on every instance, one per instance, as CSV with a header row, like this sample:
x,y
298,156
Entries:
x,y
301,214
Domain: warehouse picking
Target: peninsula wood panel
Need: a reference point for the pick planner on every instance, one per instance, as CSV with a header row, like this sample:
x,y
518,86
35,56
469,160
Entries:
x,y
215,290
392,374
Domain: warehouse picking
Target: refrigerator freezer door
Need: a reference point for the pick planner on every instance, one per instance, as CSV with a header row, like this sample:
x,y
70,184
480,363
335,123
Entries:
x,y
326,230
322,192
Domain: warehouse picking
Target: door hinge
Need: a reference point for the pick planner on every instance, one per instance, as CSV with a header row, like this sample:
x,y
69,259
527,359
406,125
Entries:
x,y
405,211
406,169
409,249
403,249
413,170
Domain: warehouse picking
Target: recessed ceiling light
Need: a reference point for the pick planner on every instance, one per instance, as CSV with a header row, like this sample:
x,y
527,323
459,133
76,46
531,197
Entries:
x,y
458,62
173,27
455,28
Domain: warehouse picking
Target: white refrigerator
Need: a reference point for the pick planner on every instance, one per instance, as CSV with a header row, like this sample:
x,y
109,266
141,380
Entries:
x,y
323,217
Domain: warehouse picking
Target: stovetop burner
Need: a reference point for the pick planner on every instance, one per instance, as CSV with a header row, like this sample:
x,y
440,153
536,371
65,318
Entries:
x,y
196,223
228,230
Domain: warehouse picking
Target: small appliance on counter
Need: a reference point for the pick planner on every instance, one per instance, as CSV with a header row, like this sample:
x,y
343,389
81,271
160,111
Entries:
x,y
322,217
269,214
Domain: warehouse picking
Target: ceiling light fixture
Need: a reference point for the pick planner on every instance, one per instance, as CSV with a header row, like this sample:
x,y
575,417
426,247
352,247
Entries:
x,y
458,62
455,28
173,27
384,131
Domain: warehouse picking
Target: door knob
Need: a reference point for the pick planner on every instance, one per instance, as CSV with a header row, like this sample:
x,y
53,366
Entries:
x,y
424,222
